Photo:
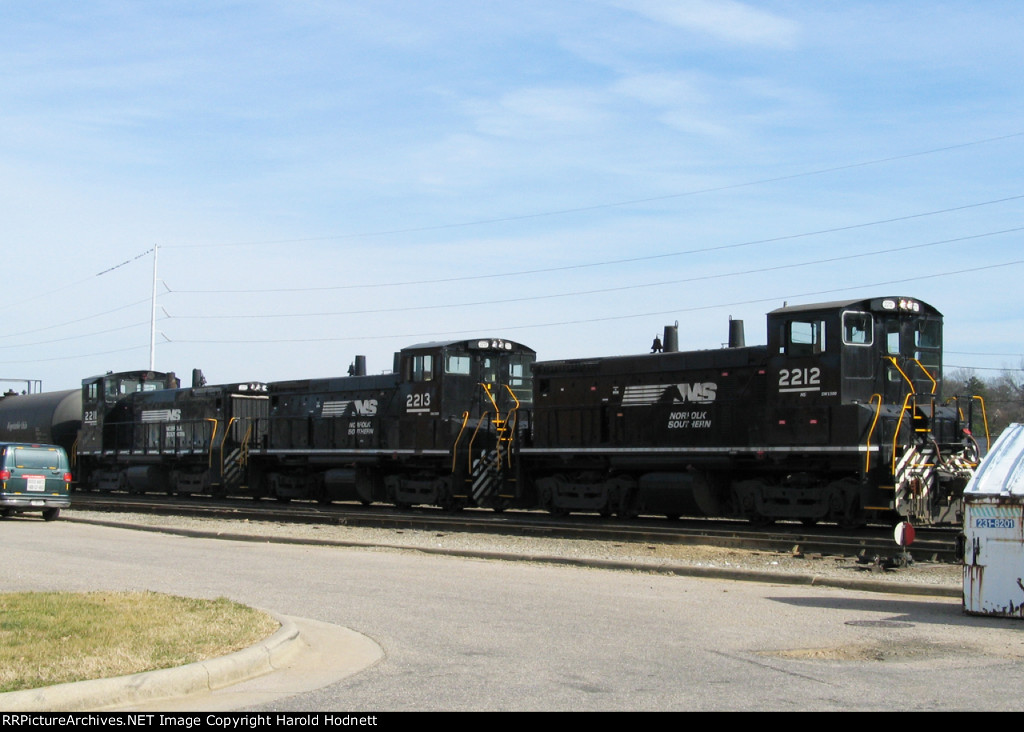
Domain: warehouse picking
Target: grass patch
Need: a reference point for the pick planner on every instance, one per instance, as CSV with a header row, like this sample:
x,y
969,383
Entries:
x,y
55,637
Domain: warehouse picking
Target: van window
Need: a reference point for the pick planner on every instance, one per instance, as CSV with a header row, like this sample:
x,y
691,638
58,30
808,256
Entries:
x,y
36,459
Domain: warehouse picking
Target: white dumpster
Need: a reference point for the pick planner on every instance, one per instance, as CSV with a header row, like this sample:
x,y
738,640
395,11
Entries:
x,y
994,530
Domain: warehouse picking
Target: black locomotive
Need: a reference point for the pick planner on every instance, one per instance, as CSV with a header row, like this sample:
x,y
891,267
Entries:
x,y
141,432
440,429
839,418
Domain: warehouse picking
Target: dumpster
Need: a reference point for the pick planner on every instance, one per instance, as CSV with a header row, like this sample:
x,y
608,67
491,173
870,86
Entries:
x,y
994,530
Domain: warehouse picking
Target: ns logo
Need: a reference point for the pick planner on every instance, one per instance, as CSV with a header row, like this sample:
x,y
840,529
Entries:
x,y
365,407
700,393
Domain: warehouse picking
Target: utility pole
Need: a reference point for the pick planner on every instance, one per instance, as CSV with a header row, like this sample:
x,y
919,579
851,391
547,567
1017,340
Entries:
x,y
152,317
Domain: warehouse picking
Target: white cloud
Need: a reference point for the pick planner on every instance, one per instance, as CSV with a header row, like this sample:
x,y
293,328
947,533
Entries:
x,y
727,20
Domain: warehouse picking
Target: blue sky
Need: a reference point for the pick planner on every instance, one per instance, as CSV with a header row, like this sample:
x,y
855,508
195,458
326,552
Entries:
x,y
325,179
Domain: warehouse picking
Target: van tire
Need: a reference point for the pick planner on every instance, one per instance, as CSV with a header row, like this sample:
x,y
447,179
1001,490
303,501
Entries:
x,y
50,514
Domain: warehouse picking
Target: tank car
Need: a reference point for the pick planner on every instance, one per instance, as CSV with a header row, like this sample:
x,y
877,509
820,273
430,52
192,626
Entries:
x,y
839,417
440,429
50,418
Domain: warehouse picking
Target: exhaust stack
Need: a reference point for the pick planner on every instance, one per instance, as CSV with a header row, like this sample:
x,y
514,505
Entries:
x,y
736,337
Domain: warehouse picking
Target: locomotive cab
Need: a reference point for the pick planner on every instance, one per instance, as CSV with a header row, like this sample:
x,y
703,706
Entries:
x,y
464,398
484,377
106,414
104,404
851,352
860,381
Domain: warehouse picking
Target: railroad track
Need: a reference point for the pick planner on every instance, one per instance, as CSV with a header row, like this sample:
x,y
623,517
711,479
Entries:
x,y
935,545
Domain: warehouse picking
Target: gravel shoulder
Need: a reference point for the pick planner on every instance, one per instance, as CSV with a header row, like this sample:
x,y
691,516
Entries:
x,y
604,554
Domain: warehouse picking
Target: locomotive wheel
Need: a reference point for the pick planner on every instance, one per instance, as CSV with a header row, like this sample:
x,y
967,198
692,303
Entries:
x,y
853,516
451,504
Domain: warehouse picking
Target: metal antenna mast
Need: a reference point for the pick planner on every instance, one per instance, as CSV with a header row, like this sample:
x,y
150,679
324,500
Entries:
x,y
152,317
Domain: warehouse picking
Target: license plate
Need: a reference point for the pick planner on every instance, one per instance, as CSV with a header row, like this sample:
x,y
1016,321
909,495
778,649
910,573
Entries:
x,y
38,503
35,483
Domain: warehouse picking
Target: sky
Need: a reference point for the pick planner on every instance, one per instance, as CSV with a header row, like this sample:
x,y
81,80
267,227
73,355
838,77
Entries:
x,y
301,182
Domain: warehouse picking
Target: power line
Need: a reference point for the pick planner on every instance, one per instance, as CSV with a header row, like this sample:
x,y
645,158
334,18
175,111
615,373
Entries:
x,y
626,260
599,291
948,366
607,205
659,313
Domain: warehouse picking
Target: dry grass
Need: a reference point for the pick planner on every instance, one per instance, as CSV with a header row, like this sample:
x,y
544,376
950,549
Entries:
x,y
51,637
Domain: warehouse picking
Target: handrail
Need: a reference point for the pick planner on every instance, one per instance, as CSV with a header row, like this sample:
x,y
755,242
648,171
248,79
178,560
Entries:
x,y
510,422
227,431
243,447
899,424
902,372
984,419
935,384
871,430
490,396
458,438
213,435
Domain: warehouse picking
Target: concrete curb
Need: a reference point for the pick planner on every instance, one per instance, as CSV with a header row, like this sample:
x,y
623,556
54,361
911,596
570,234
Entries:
x,y
201,677
659,567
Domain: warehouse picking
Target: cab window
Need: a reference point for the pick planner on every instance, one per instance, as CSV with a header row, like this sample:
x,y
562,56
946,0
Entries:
x,y
928,342
517,373
805,338
928,334
457,364
892,337
422,368
858,329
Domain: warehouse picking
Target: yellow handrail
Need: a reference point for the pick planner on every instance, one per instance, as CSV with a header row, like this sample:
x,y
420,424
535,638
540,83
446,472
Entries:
x,y
209,461
902,372
243,458
871,431
935,384
899,424
984,419
458,438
